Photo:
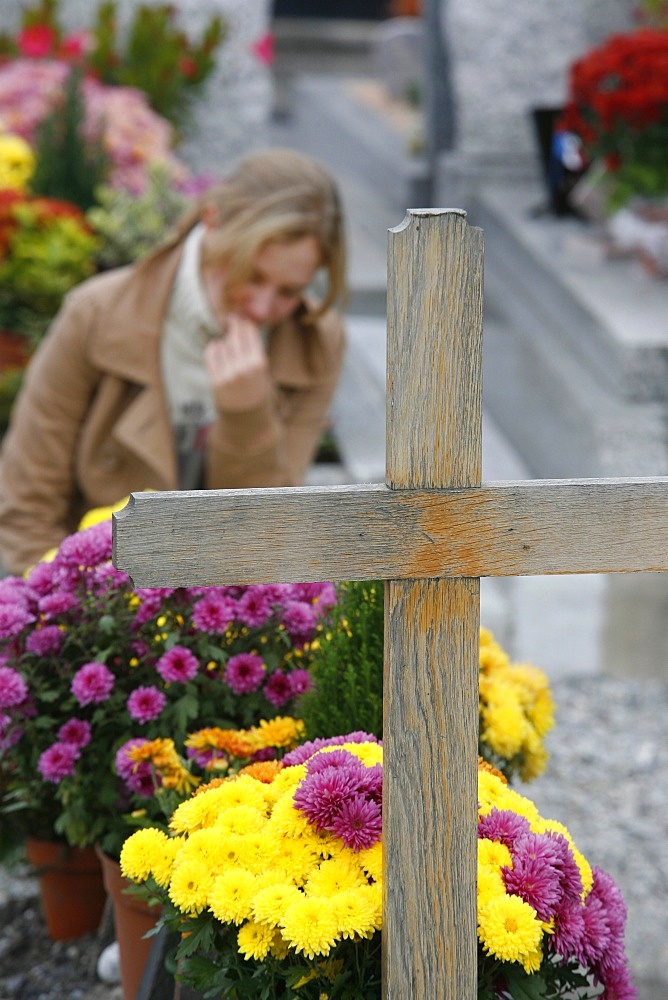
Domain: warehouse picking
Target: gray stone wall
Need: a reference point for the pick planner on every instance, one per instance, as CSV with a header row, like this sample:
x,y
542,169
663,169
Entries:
x,y
233,116
509,58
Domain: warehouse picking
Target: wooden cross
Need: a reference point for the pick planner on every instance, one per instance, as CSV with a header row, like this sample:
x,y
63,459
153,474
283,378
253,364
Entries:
x,y
432,531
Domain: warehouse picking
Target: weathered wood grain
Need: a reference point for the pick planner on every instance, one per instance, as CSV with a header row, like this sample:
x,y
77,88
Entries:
x,y
371,532
430,691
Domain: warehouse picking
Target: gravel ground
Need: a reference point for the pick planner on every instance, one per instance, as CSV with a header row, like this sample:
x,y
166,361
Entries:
x,y
607,781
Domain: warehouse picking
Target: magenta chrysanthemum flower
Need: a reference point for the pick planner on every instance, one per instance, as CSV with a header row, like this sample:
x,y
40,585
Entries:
x,y
321,795
371,783
359,823
278,689
302,753
244,672
570,878
254,607
535,875
58,603
299,619
58,762
146,703
125,766
177,665
13,688
92,683
45,640
86,548
13,618
596,935
300,682
606,889
568,929
15,590
77,732
212,614
502,825
322,595
335,758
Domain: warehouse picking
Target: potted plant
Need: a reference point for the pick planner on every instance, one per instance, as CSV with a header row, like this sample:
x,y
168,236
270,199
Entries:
x,y
87,663
273,885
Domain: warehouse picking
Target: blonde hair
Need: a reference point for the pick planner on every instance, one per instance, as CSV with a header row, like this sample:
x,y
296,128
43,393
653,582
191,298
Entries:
x,y
277,195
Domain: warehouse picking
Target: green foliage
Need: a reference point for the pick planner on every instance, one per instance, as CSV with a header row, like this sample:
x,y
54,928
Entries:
x,y
158,59
348,666
69,166
131,225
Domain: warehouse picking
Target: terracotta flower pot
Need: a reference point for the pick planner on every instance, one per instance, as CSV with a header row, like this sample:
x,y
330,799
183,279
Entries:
x,y
71,887
133,918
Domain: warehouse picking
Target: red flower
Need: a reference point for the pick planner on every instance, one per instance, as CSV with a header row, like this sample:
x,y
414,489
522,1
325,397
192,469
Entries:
x,y
37,41
263,49
187,67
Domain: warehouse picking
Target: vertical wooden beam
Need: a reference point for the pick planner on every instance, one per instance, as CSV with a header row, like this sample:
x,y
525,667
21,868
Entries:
x,y
430,727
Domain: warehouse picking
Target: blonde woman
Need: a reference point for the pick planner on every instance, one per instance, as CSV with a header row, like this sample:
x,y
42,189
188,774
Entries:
x,y
208,364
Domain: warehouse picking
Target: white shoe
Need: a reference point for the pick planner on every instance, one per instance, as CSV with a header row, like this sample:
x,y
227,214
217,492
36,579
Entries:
x,y
109,966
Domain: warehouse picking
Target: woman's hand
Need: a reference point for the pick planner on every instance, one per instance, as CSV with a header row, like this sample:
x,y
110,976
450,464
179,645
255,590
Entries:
x,y
238,367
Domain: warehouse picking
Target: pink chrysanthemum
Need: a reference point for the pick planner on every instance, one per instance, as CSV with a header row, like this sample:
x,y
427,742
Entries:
x,y
299,619
177,665
300,682
58,762
254,607
13,619
244,672
139,776
13,688
55,604
502,825
212,614
45,640
535,875
92,683
278,689
568,929
322,794
76,732
359,823
302,753
146,703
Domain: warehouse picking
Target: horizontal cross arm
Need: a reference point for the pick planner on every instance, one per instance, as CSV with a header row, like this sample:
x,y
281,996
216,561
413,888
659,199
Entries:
x,y
534,527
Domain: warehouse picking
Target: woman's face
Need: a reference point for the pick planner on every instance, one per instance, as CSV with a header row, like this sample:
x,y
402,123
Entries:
x,y
281,273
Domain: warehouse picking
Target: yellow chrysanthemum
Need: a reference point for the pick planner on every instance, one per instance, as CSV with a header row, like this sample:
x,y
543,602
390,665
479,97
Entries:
x,y
240,819
310,926
355,912
283,731
371,861
17,162
285,820
145,851
231,896
255,940
541,713
493,854
98,514
296,857
509,928
490,884
279,948
271,902
503,727
334,876
532,962
191,882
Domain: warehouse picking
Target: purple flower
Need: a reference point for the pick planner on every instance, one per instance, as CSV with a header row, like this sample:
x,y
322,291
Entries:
x,y
321,795
596,932
335,758
302,753
300,620
58,603
125,766
212,613
13,688
13,618
323,595
15,590
502,825
244,672
45,640
146,703
177,665
10,733
278,689
58,762
254,607
359,823
86,548
535,875
76,732
92,683
300,682
568,929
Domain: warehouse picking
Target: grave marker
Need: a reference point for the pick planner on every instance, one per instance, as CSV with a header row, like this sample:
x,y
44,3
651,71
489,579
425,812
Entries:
x,y
431,532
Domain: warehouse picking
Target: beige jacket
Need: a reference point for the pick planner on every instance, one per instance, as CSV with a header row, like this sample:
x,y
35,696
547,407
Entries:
x,y
92,425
